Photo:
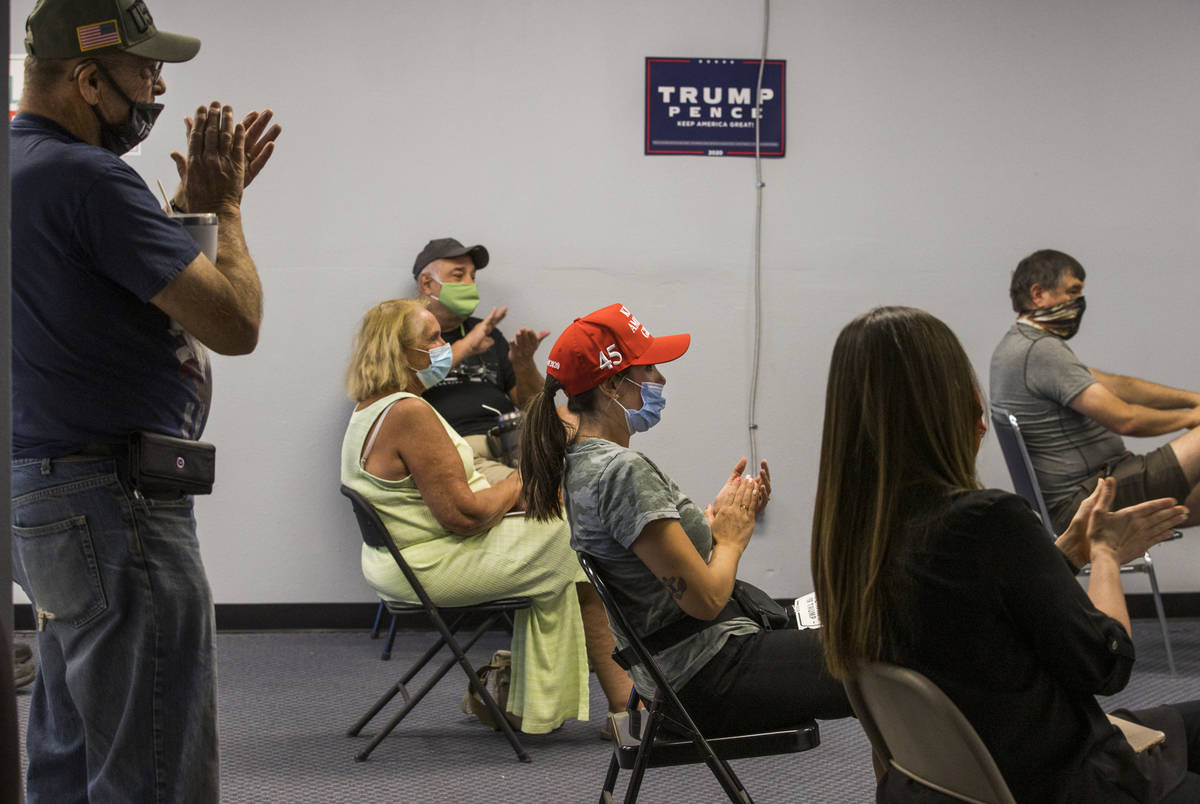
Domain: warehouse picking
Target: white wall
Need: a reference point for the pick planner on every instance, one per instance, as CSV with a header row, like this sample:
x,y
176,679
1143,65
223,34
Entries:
x,y
932,145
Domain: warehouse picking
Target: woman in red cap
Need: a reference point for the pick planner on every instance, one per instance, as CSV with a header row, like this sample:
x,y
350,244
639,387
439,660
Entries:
x,y
668,559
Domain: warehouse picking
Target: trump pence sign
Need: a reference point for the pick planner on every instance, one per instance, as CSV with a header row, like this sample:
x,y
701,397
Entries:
x,y
706,107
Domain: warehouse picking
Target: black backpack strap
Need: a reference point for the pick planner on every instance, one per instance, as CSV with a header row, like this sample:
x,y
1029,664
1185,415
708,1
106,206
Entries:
x,y
673,634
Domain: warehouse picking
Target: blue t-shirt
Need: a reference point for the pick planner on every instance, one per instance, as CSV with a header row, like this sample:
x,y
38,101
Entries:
x,y
92,359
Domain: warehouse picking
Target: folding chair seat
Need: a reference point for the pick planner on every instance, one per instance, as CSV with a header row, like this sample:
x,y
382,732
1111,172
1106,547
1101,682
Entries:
x,y
492,612
918,731
1025,483
664,733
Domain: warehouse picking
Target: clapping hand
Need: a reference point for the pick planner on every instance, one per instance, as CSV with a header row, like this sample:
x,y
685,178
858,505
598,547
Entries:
x,y
1133,530
259,145
525,343
479,339
730,488
260,142
763,487
213,174
731,515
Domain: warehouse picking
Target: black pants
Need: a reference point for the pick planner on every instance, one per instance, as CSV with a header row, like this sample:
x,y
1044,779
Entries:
x,y
764,681
1189,789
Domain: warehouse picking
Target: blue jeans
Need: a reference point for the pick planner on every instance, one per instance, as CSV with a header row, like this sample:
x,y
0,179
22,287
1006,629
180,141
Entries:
x,y
124,705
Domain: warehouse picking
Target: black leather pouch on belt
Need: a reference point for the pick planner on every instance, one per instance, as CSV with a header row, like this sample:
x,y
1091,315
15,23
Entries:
x,y
159,463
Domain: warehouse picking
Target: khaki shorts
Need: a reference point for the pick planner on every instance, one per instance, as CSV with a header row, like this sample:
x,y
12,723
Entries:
x,y
485,461
1139,478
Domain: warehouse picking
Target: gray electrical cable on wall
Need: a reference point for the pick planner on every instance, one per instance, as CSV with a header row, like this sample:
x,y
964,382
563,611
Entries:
x,y
752,404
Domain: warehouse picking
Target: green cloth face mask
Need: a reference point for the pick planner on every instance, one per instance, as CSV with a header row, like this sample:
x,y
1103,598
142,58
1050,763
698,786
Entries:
x,y
460,298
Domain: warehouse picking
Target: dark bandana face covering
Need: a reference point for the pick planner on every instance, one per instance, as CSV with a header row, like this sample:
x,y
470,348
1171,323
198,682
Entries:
x,y
1062,319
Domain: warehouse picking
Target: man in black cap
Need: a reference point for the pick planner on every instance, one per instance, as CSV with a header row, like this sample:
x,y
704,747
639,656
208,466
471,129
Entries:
x,y
113,303
490,375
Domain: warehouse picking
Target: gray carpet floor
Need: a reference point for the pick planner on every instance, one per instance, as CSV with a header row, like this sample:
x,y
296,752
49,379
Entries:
x,y
287,699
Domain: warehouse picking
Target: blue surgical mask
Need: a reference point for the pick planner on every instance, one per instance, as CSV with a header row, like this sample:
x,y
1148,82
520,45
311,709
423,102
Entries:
x,y
650,413
441,358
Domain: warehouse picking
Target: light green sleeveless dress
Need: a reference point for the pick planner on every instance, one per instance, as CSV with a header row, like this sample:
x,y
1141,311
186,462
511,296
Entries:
x,y
515,558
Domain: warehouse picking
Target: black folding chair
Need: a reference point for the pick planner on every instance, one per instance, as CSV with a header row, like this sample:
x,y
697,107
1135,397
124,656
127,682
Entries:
x,y
374,533
1025,483
640,742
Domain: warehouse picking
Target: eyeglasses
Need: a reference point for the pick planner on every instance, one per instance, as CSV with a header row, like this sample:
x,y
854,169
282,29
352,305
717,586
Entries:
x,y
152,73
146,73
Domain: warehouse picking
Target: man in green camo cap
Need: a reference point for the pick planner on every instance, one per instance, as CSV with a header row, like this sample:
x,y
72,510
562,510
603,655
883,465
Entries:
x,y
64,29
113,306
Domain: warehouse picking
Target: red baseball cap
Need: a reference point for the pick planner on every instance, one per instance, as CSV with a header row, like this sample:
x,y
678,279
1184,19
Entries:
x,y
601,344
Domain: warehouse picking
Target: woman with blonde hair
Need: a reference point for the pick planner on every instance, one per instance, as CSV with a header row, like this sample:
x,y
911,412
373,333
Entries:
x,y
419,474
916,565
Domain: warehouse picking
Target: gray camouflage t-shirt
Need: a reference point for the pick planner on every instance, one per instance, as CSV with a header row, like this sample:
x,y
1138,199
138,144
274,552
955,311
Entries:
x,y
1034,376
611,493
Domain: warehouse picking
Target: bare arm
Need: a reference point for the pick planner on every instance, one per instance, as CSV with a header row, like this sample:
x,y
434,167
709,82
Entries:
x,y
1099,403
520,353
702,589
1143,392
413,434
1104,586
221,304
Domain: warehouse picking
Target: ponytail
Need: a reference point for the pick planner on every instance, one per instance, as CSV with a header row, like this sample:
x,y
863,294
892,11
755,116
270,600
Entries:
x,y
543,454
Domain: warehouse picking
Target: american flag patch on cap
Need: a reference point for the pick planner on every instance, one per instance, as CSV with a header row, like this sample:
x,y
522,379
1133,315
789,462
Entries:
x,y
98,34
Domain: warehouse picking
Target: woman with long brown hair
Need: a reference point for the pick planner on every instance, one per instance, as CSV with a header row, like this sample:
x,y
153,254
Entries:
x,y
915,564
453,528
671,564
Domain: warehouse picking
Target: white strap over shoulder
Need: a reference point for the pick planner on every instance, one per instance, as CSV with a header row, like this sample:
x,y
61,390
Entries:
x,y
362,462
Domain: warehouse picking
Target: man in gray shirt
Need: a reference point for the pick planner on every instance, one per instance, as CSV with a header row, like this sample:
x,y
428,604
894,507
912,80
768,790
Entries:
x,y
1073,416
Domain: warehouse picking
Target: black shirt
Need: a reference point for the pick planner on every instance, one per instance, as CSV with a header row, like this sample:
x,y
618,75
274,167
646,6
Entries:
x,y
482,379
987,608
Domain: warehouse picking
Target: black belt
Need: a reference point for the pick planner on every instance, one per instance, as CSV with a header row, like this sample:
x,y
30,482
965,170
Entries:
x,y
93,451
671,635
119,452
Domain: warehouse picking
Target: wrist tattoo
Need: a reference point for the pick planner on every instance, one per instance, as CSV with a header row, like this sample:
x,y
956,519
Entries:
x,y
676,586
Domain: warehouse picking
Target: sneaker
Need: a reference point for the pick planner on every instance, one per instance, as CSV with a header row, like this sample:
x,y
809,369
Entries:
x,y
23,674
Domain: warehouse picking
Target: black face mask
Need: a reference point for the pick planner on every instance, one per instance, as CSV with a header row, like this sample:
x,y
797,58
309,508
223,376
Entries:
x,y
121,138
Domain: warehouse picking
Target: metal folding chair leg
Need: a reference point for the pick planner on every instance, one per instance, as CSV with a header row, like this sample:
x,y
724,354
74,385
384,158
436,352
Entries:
x,y
411,702
378,620
401,686
391,640
610,780
729,780
639,766
1162,615
655,717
